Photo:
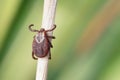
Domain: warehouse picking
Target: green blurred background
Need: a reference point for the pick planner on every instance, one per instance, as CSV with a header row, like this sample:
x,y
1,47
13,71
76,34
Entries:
x,y
87,44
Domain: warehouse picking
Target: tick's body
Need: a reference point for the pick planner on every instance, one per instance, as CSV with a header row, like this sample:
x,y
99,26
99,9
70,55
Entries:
x,y
41,44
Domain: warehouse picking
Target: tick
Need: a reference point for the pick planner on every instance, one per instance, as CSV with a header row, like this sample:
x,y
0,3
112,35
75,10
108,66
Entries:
x,y
41,42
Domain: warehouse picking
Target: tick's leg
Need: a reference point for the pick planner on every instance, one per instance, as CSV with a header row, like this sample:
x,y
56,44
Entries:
x,y
32,29
34,56
49,56
54,26
50,44
53,37
47,38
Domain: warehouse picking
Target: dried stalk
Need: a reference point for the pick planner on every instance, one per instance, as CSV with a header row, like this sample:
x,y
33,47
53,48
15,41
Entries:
x,y
47,22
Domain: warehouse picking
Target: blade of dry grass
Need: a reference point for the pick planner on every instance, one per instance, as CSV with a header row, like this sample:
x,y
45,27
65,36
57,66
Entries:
x,y
47,23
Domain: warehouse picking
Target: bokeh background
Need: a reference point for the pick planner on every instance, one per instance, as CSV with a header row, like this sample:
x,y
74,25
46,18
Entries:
x,y
87,44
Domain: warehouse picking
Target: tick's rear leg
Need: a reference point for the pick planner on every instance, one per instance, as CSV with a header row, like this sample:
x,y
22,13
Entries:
x,y
49,56
33,56
50,44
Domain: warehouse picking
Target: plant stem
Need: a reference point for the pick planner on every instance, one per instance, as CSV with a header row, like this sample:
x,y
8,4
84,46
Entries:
x,y
47,22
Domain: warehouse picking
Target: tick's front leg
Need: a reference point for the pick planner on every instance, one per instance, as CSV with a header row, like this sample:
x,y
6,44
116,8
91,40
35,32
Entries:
x,y
33,56
54,26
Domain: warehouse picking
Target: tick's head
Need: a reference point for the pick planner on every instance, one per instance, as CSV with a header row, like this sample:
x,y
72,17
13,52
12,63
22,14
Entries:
x,y
39,37
41,30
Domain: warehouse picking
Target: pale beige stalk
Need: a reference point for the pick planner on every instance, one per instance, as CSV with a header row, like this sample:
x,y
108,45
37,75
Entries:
x,y
47,22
